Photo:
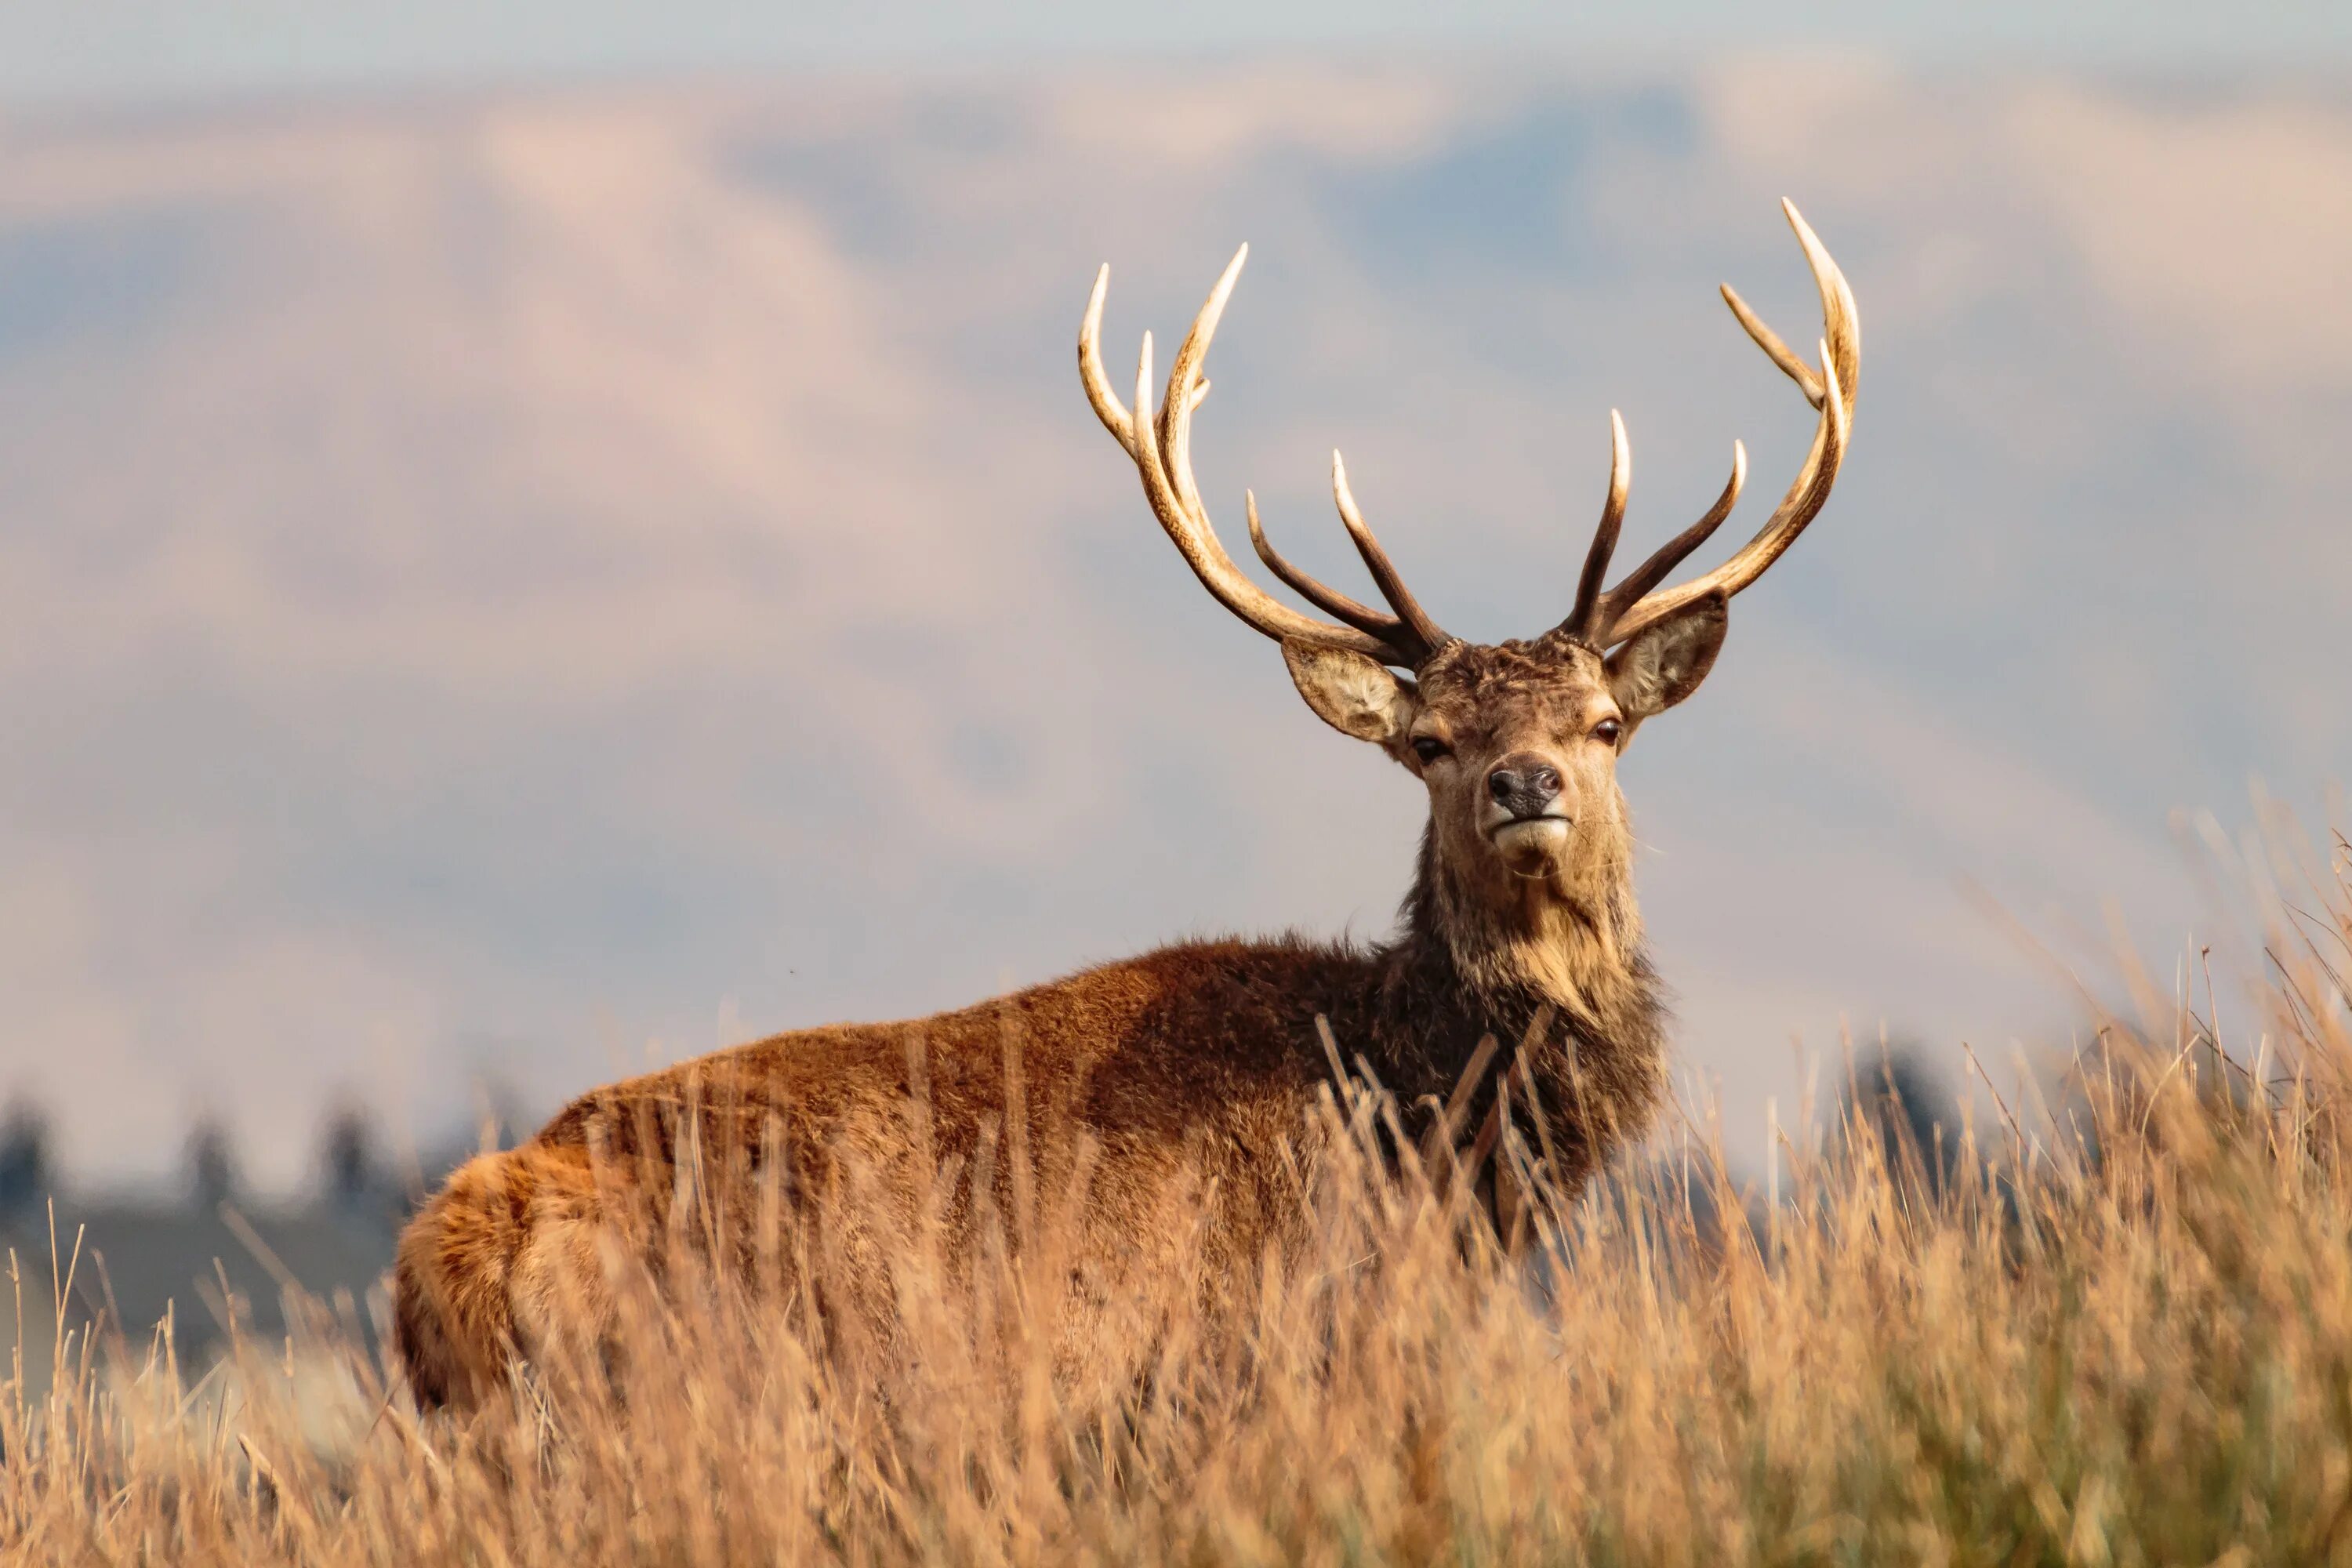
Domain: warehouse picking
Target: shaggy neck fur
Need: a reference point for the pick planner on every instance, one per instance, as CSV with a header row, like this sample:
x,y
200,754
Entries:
x,y
1554,966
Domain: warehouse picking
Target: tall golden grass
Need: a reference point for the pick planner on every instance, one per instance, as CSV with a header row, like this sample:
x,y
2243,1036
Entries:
x,y
2116,1332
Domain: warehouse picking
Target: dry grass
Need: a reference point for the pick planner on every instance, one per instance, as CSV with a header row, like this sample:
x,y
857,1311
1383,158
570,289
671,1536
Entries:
x,y
2119,1334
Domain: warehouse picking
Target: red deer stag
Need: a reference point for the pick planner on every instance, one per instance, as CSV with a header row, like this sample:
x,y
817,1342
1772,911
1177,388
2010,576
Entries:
x,y
1182,1081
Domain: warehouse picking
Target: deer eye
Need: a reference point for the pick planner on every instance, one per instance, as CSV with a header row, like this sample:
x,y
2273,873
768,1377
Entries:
x,y
1607,731
1429,748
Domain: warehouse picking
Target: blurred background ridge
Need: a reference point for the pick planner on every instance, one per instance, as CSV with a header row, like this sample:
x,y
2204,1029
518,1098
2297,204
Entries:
x,y
518,582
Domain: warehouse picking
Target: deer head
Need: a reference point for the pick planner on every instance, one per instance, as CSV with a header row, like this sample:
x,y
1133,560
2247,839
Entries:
x,y
1516,743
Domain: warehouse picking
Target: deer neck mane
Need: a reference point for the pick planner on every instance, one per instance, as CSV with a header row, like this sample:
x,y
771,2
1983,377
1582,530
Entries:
x,y
1573,945
1562,983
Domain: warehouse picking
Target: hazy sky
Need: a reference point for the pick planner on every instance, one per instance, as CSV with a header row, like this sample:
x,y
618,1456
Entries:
x,y
521,582
85,51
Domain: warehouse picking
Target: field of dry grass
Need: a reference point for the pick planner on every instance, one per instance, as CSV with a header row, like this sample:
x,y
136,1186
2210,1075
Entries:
x,y
2119,1331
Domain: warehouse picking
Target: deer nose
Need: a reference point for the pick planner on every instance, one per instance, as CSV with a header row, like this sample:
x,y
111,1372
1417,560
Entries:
x,y
1524,784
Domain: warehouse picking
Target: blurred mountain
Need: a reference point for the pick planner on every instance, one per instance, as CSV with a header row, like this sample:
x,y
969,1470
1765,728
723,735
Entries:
x,y
524,584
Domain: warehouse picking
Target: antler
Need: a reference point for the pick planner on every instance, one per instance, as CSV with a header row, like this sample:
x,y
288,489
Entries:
x,y
1163,456
1601,619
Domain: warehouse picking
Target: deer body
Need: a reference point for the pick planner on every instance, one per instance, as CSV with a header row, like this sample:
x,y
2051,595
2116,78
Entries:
x,y
1168,1099
1189,1074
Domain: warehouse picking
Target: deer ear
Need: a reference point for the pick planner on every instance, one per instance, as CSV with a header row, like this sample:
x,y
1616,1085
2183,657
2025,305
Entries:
x,y
1661,665
1353,694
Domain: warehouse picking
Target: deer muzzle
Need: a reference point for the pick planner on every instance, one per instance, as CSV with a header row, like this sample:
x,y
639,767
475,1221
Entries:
x,y
1527,817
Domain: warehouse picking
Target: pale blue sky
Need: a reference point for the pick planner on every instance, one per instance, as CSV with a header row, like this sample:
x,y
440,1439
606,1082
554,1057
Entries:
x,y
85,52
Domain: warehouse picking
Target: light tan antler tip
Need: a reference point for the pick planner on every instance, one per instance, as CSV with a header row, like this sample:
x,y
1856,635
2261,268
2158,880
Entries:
x,y
1350,517
1224,288
1817,256
1091,371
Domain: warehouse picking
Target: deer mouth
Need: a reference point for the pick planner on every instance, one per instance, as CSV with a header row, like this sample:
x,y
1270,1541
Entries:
x,y
1531,845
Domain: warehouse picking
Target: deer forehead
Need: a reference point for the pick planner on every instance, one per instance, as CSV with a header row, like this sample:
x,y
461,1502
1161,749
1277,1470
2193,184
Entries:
x,y
1513,690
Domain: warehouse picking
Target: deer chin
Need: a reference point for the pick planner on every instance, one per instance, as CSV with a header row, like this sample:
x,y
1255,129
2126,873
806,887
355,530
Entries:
x,y
1534,849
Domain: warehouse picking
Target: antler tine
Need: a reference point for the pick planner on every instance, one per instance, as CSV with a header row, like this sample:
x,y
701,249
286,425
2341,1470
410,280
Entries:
x,y
1769,342
1099,392
1385,576
1830,390
1183,378
1160,446
1669,556
1582,622
1327,599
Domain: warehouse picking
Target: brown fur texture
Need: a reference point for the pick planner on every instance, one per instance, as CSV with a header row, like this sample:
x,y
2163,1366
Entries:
x,y
1166,1098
